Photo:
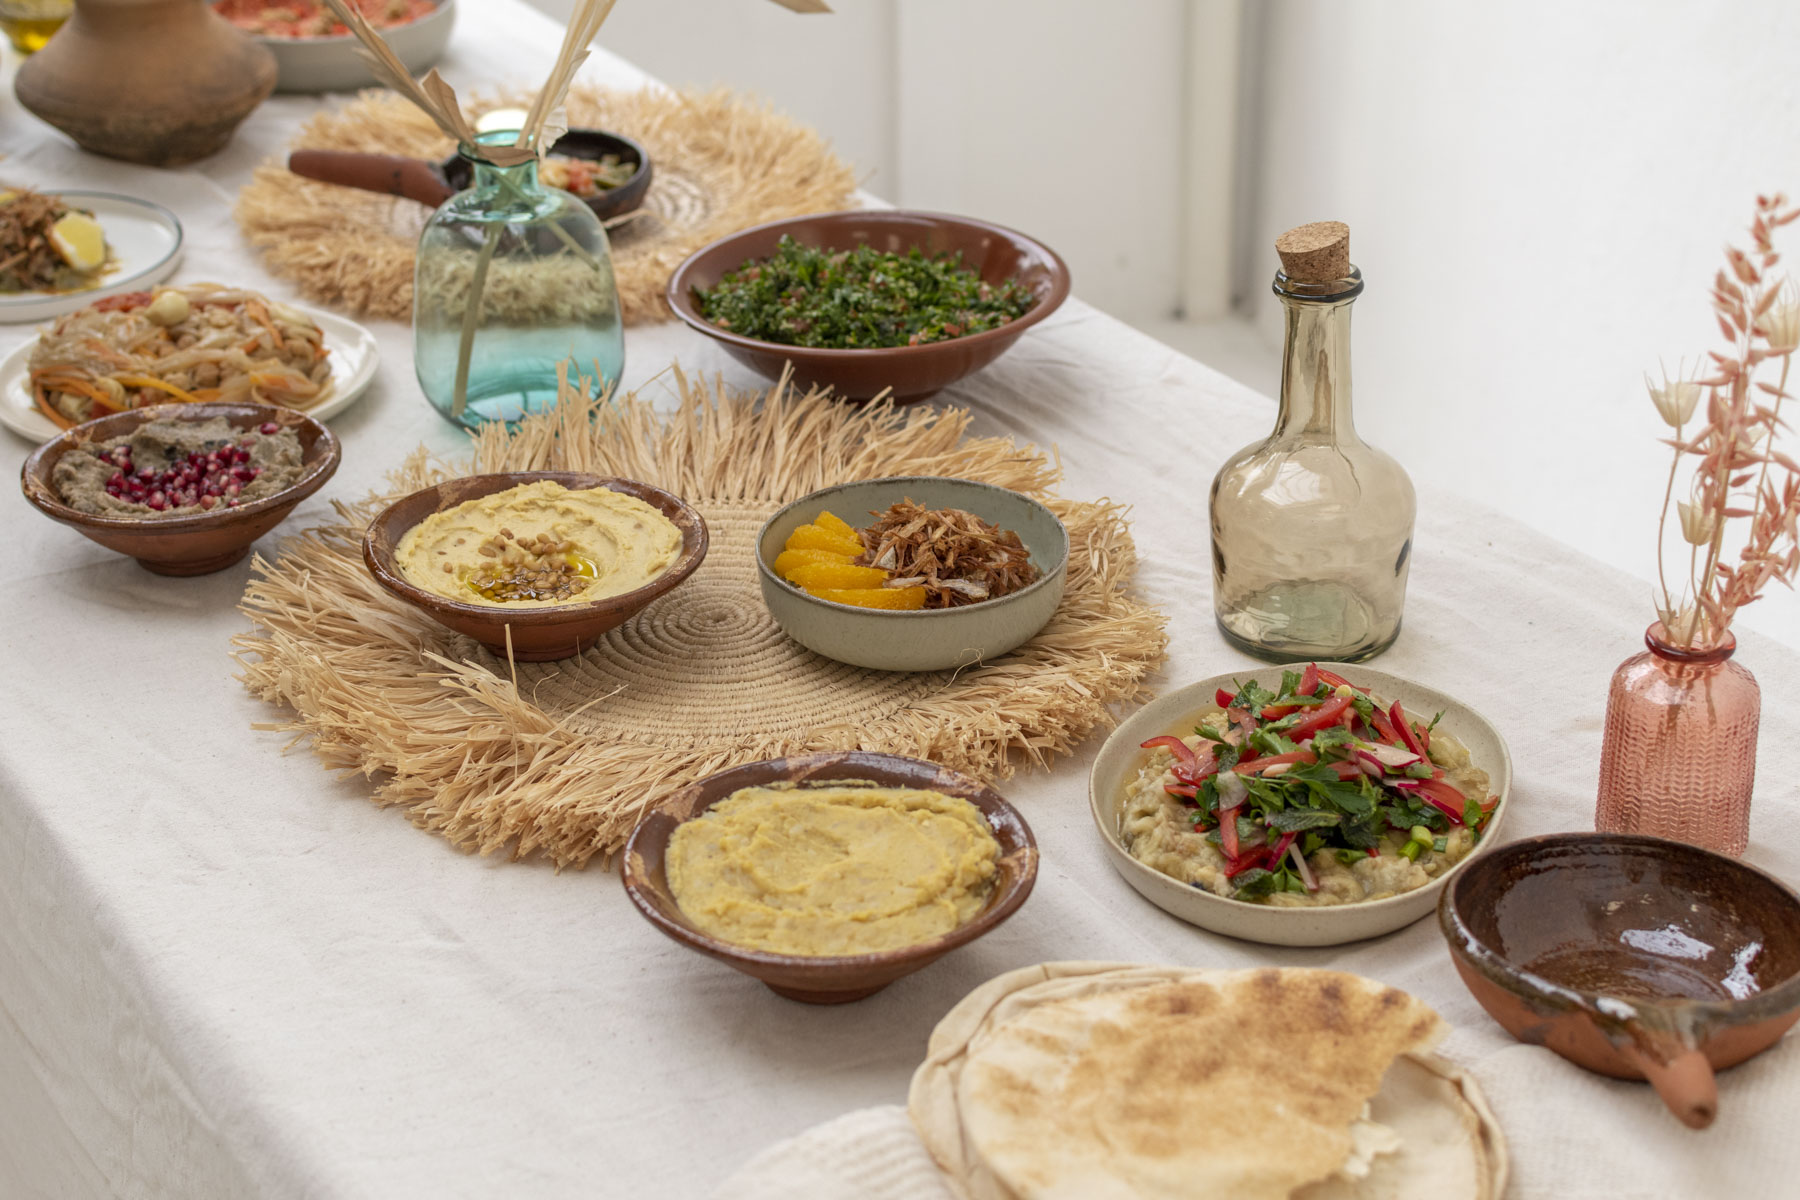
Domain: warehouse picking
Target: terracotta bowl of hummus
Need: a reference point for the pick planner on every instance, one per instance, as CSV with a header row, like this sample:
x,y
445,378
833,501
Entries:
x,y
1635,957
186,542
550,627
1008,868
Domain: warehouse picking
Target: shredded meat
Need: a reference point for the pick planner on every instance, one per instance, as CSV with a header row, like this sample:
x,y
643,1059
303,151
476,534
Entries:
x,y
958,557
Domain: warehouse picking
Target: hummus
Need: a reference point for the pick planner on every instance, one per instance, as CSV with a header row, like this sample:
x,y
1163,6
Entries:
x,y
846,868
1158,830
537,545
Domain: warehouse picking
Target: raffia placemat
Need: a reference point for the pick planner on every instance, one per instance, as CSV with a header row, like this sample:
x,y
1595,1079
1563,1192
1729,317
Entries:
x,y
720,163
563,758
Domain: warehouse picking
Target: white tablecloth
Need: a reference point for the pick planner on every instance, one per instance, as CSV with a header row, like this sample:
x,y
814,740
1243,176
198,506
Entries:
x,y
223,973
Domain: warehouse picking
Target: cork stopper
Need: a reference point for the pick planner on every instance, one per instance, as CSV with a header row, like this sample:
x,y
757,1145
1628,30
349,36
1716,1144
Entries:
x,y
1315,253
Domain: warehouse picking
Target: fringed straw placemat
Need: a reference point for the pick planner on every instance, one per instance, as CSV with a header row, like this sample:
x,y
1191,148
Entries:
x,y
564,758
720,163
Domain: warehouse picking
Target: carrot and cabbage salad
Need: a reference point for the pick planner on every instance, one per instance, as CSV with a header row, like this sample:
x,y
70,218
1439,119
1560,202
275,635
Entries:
x,y
201,342
308,18
1318,764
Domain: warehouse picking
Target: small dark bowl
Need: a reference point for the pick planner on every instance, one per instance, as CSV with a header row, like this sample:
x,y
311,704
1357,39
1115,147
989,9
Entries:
x,y
590,144
912,372
1635,957
184,545
835,979
537,634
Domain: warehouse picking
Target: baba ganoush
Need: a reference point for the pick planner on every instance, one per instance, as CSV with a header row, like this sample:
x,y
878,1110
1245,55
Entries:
x,y
537,545
1315,794
177,467
848,868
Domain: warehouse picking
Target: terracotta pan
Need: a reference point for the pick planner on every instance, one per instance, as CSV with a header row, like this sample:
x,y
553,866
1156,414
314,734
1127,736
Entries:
x,y
1631,956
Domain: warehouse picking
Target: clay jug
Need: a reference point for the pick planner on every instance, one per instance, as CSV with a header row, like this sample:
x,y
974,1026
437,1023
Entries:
x,y
159,82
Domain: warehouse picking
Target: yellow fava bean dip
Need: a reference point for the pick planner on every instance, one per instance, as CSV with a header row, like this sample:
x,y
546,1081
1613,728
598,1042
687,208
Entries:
x,y
847,869
539,544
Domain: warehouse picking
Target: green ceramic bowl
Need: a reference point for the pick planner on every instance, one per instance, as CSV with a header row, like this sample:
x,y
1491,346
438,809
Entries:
x,y
938,639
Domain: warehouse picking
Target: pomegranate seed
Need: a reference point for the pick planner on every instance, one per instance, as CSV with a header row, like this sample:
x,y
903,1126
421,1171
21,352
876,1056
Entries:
x,y
157,501
255,471
208,501
231,503
213,489
268,427
233,488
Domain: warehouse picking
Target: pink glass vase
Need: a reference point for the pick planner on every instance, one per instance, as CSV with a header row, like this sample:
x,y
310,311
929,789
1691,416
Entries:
x,y
1679,755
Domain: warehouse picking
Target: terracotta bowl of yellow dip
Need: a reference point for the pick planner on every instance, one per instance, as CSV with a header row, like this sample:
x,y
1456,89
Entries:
x,y
827,979
543,632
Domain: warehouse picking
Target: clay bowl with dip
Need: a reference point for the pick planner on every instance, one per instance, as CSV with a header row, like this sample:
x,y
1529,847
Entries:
x,y
841,978
1122,757
937,639
184,543
908,373
541,634
1634,957
432,183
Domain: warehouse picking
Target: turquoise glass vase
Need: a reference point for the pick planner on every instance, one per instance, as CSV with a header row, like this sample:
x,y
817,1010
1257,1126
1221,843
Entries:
x,y
513,279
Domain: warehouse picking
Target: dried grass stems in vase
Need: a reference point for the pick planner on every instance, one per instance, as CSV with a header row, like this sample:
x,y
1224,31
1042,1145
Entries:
x,y
1678,759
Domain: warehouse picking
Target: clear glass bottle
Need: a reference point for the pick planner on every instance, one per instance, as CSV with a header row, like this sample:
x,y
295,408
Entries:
x,y
1678,759
539,263
1312,527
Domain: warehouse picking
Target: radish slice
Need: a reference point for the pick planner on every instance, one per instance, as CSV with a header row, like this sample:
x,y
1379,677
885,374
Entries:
x,y
1306,875
1388,756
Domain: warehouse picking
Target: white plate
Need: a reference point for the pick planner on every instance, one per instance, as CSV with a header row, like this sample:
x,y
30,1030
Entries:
x,y
145,239
353,360
333,64
1120,759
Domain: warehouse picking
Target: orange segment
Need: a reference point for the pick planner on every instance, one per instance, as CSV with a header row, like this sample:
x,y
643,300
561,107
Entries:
x,y
836,524
790,560
836,575
903,599
812,537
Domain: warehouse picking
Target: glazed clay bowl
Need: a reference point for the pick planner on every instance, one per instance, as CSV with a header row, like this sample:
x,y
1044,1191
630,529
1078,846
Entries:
x,y
911,372
432,183
1121,757
196,544
838,979
1631,956
535,634
933,639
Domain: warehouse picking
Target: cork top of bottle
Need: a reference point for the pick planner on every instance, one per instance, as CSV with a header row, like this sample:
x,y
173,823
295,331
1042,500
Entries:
x,y
1315,253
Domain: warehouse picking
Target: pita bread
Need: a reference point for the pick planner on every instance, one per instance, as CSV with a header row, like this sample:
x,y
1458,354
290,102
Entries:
x,y
1114,1082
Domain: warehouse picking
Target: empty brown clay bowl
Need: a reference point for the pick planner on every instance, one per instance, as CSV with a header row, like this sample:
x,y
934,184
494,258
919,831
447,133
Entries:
x,y
1631,956
537,634
196,544
912,372
827,980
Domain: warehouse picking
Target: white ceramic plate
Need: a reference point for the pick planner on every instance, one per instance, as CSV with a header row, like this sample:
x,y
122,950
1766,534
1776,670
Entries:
x,y
332,64
1121,758
145,239
353,360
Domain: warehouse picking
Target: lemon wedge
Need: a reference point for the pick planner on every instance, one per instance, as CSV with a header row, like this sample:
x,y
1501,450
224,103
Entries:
x,y
80,241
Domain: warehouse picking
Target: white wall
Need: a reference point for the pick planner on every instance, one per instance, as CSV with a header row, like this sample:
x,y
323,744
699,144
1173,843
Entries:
x,y
1063,118
1537,194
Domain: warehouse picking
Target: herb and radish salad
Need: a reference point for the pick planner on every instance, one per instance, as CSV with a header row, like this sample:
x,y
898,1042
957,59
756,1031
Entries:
x,y
1316,793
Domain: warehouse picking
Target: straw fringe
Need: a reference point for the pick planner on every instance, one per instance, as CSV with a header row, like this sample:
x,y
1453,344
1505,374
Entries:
x,y
742,162
374,689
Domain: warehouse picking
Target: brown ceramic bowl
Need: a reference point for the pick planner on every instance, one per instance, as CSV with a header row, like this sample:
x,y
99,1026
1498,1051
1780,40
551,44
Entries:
x,y
184,545
913,372
1631,956
538,634
827,980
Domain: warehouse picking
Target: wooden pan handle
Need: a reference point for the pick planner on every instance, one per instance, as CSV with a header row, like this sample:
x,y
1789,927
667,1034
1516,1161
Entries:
x,y
389,174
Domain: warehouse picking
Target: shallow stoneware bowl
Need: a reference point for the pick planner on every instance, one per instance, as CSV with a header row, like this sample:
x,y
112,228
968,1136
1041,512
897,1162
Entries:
x,y
197,544
932,639
332,64
1121,757
1631,956
837,979
911,372
537,634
